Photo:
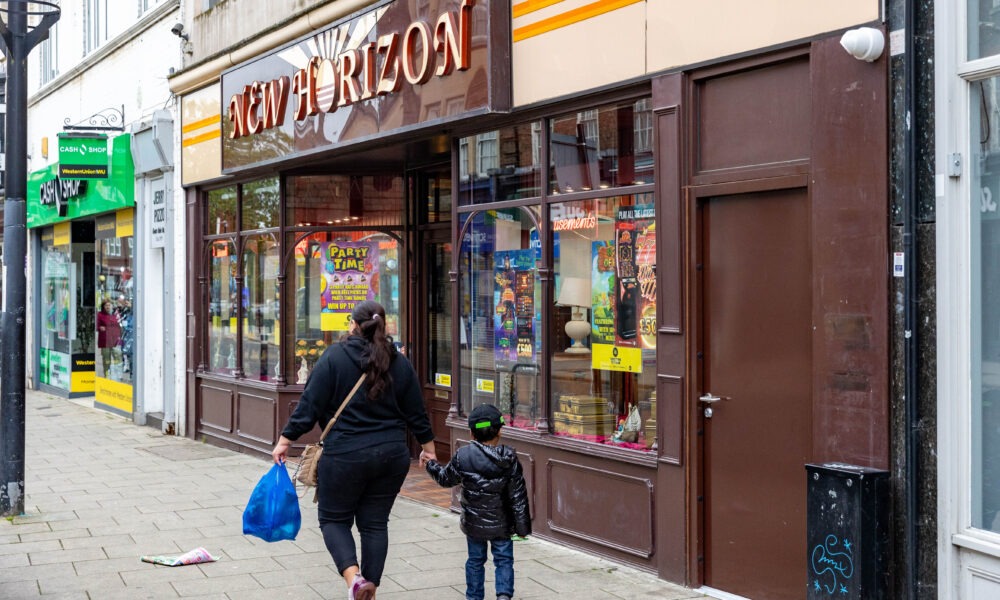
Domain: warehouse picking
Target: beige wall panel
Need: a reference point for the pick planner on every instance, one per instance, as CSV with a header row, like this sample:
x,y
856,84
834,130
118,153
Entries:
x,y
683,32
201,142
581,56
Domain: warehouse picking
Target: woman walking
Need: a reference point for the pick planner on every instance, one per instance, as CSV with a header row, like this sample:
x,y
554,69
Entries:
x,y
365,456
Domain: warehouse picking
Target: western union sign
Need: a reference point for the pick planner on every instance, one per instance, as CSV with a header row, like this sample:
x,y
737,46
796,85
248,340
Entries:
x,y
83,157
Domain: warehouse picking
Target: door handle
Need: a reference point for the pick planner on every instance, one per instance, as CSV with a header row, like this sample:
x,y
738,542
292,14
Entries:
x,y
708,398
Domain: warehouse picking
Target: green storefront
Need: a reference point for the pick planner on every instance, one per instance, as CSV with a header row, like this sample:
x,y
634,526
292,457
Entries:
x,y
82,211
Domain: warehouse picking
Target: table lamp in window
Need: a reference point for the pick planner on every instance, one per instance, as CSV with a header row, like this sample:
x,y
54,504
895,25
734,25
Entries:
x,y
575,292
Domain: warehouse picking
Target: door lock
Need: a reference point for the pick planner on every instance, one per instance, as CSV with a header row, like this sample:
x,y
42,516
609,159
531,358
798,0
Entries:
x,y
708,412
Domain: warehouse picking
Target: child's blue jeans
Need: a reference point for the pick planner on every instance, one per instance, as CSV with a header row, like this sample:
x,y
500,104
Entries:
x,y
475,571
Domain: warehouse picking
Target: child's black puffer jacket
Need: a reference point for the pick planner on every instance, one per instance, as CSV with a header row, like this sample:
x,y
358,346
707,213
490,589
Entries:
x,y
494,496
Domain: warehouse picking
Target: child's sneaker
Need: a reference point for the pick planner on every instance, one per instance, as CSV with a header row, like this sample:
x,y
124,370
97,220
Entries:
x,y
362,589
503,597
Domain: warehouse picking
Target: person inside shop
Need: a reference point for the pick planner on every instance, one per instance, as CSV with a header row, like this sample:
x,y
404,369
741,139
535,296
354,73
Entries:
x,y
365,455
494,501
125,322
109,335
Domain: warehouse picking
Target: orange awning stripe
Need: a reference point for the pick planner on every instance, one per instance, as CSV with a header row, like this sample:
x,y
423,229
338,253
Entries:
x,y
569,17
200,123
197,139
529,6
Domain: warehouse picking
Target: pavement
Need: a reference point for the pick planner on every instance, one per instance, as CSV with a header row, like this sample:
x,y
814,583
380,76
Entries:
x,y
100,492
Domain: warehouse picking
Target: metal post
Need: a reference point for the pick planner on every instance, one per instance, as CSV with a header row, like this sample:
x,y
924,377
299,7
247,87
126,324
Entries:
x,y
19,41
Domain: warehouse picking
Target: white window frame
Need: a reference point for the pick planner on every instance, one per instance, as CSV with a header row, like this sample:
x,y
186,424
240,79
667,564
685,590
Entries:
x,y
49,56
486,160
963,549
95,25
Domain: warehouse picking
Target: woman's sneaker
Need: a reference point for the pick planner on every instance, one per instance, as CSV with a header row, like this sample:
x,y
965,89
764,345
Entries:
x,y
362,589
503,597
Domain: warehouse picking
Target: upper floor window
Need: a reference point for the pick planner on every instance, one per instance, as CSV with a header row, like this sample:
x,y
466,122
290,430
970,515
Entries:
x,y
145,5
643,125
486,151
984,28
49,55
95,25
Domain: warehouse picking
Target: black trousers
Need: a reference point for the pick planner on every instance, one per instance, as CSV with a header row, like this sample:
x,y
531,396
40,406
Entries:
x,y
361,488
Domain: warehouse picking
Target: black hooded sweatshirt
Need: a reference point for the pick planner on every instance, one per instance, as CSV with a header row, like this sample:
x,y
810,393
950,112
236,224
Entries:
x,y
364,423
494,495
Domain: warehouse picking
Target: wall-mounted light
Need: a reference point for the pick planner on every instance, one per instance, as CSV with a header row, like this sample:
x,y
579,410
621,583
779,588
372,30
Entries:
x,y
864,43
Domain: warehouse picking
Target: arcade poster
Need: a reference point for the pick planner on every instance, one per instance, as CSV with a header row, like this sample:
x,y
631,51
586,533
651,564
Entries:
x,y
514,303
350,275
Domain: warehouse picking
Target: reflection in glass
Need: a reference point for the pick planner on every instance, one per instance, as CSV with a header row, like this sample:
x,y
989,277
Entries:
x,y
984,28
261,320
345,200
261,200
604,379
116,309
600,148
500,337
222,304
985,297
500,165
221,211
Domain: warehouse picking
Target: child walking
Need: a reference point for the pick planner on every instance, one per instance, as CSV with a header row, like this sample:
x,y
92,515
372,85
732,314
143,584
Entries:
x,y
494,501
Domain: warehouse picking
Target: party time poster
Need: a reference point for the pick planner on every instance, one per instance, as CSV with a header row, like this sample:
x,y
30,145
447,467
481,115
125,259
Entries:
x,y
350,276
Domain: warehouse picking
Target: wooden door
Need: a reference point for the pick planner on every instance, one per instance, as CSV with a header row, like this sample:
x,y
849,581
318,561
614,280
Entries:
x,y
756,333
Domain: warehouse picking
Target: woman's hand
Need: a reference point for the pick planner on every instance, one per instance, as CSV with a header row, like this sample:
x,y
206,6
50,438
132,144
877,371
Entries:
x,y
428,453
280,452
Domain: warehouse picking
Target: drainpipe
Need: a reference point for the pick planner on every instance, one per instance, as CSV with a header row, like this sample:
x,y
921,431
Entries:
x,y
911,357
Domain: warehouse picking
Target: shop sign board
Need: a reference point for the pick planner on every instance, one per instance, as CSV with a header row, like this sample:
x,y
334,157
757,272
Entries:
x,y
158,214
53,199
83,156
392,69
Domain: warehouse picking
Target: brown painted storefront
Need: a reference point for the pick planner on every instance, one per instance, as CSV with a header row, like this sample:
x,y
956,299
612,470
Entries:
x,y
770,195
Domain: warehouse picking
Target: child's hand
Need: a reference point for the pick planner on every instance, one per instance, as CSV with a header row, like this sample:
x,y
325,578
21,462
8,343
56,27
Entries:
x,y
425,457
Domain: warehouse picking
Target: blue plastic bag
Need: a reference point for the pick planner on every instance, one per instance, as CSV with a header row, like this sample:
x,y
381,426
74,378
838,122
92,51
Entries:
x,y
272,513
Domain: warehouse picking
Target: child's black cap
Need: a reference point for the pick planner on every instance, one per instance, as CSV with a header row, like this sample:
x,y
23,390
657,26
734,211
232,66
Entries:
x,y
485,415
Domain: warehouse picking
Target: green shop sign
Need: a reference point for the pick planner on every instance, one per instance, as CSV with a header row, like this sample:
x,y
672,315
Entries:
x,y
83,156
53,198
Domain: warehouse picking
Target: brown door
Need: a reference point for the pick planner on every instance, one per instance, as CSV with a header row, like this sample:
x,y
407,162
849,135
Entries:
x,y
756,334
431,188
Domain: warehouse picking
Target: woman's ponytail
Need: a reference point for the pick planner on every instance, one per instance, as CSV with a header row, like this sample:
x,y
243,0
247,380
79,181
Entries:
x,y
370,317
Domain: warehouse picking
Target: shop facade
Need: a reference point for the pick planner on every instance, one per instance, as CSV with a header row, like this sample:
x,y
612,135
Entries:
x,y
671,279
82,232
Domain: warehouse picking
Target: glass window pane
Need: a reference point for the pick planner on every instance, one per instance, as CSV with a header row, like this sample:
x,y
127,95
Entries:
x,y
356,200
439,309
261,317
604,321
985,230
984,28
260,204
58,313
603,147
500,335
221,211
116,306
500,165
435,195
222,306
327,286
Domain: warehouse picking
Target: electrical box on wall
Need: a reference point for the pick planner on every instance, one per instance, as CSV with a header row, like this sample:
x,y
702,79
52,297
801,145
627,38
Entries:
x,y
153,144
847,531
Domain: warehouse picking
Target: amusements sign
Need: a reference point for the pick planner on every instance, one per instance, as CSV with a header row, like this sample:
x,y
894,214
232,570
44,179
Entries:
x,y
350,276
623,278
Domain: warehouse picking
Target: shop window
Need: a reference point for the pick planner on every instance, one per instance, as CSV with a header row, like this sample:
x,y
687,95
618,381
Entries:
x,y
59,323
985,299
261,314
222,307
330,273
260,203
598,149
500,325
221,211
115,306
984,28
603,365
500,165
345,200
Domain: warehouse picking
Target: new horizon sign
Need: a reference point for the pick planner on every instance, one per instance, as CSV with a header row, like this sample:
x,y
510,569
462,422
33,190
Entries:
x,y
392,69
83,156
376,68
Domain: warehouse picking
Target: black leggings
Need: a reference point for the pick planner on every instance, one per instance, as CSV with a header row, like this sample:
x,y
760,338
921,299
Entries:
x,y
360,487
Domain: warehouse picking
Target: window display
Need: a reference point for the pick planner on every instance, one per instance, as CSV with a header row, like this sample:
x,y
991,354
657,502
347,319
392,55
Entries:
x,y
501,319
114,302
604,356
332,272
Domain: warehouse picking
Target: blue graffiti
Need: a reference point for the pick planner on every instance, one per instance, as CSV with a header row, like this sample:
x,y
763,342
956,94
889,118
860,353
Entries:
x,y
826,559
816,585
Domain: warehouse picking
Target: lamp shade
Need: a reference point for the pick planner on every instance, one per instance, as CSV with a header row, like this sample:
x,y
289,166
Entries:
x,y
575,291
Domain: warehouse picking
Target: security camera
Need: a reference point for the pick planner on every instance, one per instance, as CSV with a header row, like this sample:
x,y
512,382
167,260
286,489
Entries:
x,y
864,43
178,30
